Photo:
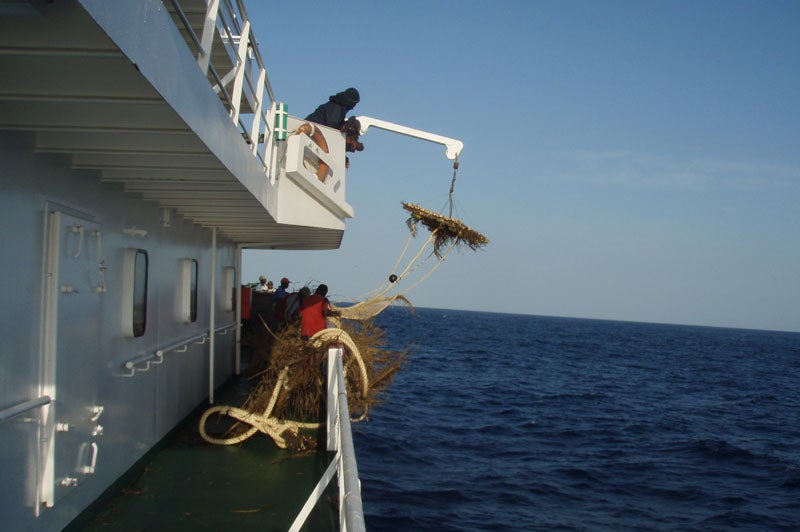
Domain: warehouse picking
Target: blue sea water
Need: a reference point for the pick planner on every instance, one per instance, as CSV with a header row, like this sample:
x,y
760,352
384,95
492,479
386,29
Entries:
x,y
511,422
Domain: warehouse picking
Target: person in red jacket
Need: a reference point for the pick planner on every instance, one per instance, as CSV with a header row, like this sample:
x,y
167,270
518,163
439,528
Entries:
x,y
313,310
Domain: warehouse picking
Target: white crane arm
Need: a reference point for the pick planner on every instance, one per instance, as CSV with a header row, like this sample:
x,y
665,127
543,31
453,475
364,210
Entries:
x,y
453,146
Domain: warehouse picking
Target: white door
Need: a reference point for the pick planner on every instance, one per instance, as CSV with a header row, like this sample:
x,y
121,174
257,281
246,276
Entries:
x,y
74,292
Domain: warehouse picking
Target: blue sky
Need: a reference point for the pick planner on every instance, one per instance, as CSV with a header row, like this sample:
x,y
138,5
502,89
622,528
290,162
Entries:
x,y
628,160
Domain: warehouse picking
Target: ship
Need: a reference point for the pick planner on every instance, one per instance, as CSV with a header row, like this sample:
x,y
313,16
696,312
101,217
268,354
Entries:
x,y
143,151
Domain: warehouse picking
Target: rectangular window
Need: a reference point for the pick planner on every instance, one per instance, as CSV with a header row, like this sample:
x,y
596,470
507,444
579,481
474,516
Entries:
x,y
187,286
229,289
193,293
134,293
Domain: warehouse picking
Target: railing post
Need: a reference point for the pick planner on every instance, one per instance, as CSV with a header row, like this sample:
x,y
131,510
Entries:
x,y
212,317
271,146
237,290
255,129
238,82
334,352
340,439
351,511
207,40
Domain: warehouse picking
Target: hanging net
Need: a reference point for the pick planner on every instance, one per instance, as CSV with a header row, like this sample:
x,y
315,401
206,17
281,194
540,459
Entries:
x,y
368,309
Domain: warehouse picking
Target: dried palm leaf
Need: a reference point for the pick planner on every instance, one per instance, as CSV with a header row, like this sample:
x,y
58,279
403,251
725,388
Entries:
x,y
446,231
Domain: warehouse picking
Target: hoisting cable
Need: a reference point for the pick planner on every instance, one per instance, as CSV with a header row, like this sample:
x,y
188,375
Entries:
x,y
384,288
453,186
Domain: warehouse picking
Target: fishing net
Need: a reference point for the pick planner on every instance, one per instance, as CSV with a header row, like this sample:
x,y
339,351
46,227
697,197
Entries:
x,y
370,308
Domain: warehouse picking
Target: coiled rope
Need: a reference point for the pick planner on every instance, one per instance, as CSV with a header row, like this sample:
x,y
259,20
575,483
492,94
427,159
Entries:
x,y
338,335
270,425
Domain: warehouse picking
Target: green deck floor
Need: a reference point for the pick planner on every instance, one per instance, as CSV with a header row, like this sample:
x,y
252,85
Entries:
x,y
188,484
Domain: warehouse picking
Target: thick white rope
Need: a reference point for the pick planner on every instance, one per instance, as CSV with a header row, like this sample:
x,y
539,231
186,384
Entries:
x,y
438,263
338,335
413,265
268,424
271,426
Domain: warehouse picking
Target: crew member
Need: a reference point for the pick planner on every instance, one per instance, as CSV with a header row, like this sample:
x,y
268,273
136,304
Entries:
x,y
313,310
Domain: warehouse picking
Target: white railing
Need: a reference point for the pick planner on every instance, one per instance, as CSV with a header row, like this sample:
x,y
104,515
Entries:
x,y
157,357
239,77
343,465
245,81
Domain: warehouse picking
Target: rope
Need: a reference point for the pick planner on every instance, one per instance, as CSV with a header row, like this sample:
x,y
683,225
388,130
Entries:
x,y
375,299
369,309
271,426
338,335
438,263
378,302
406,271
387,285
413,265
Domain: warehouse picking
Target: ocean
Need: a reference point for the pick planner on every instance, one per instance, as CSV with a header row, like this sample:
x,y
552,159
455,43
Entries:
x,y
512,422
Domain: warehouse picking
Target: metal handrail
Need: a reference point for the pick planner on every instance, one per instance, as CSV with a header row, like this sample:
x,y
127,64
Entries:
x,y
157,357
147,357
351,517
16,410
183,343
188,25
343,465
225,328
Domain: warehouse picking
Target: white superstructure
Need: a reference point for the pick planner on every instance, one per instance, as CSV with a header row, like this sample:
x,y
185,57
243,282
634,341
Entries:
x,y
138,158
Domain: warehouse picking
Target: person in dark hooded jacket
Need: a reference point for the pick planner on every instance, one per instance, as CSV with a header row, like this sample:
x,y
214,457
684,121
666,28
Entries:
x,y
332,113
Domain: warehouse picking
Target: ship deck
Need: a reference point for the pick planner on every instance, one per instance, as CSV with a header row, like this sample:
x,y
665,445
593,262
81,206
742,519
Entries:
x,y
189,484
